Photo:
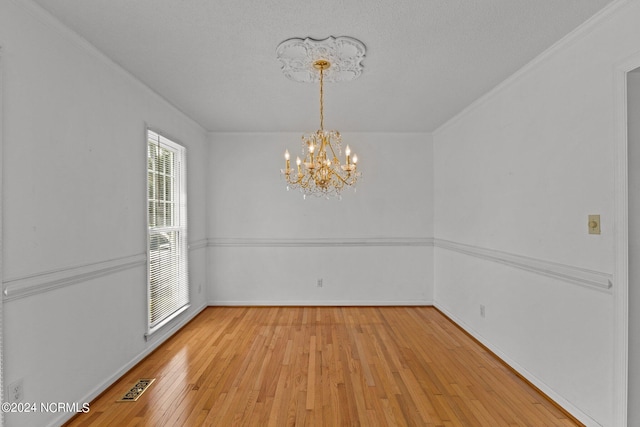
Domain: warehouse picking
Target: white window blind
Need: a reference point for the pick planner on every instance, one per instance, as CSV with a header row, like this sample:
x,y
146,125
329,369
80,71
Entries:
x,y
167,237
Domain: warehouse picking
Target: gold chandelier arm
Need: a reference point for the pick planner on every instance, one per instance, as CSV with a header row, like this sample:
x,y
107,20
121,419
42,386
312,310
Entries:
x,y
296,181
322,175
332,151
306,183
344,181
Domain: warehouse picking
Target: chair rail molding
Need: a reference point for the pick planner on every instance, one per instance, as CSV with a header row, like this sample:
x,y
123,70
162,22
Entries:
x,y
198,244
568,273
319,242
43,282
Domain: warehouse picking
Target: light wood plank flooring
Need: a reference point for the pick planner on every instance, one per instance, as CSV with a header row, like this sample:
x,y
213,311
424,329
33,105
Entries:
x,y
323,366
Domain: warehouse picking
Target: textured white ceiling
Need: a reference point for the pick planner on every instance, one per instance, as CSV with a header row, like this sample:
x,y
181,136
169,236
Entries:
x,y
426,59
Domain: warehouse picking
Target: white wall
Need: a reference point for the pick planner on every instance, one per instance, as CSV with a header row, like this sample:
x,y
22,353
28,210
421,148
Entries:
x,y
633,114
270,246
74,237
516,176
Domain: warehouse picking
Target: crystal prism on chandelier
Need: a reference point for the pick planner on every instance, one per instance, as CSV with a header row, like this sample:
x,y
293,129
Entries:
x,y
319,172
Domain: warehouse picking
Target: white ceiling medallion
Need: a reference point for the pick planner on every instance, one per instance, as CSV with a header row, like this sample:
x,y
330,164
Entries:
x,y
298,56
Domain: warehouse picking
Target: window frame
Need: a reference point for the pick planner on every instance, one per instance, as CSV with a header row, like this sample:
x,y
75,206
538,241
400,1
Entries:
x,y
177,226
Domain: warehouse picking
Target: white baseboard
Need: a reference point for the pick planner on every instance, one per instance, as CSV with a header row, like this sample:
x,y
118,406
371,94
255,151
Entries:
x,y
330,303
560,400
162,336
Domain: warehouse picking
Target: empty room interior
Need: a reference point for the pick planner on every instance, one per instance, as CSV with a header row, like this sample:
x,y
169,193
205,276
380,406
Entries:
x,y
176,206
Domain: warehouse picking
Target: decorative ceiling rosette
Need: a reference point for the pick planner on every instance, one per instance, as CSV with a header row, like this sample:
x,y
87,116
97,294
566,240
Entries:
x,y
298,56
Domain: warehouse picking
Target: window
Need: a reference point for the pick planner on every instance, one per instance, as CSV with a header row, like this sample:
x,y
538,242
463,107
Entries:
x,y
167,237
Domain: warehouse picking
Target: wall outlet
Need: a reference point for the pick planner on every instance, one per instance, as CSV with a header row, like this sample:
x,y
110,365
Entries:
x,y
481,310
319,283
15,392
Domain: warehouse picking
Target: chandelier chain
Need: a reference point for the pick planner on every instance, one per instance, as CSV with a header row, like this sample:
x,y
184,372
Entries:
x,y
321,100
320,172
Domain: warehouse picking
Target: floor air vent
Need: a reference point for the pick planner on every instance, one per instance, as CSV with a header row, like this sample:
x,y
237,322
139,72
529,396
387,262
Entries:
x,y
137,390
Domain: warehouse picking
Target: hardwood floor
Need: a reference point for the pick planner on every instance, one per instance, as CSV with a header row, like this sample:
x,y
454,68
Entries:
x,y
323,366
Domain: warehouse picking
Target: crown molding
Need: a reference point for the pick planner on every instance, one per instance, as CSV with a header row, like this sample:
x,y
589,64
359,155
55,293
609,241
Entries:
x,y
47,19
577,34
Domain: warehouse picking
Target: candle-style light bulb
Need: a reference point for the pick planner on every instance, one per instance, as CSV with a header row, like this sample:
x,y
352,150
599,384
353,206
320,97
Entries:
x,y
311,148
298,161
355,159
286,159
347,151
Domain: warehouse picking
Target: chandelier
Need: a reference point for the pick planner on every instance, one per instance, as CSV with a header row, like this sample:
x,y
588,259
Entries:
x,y
320,172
